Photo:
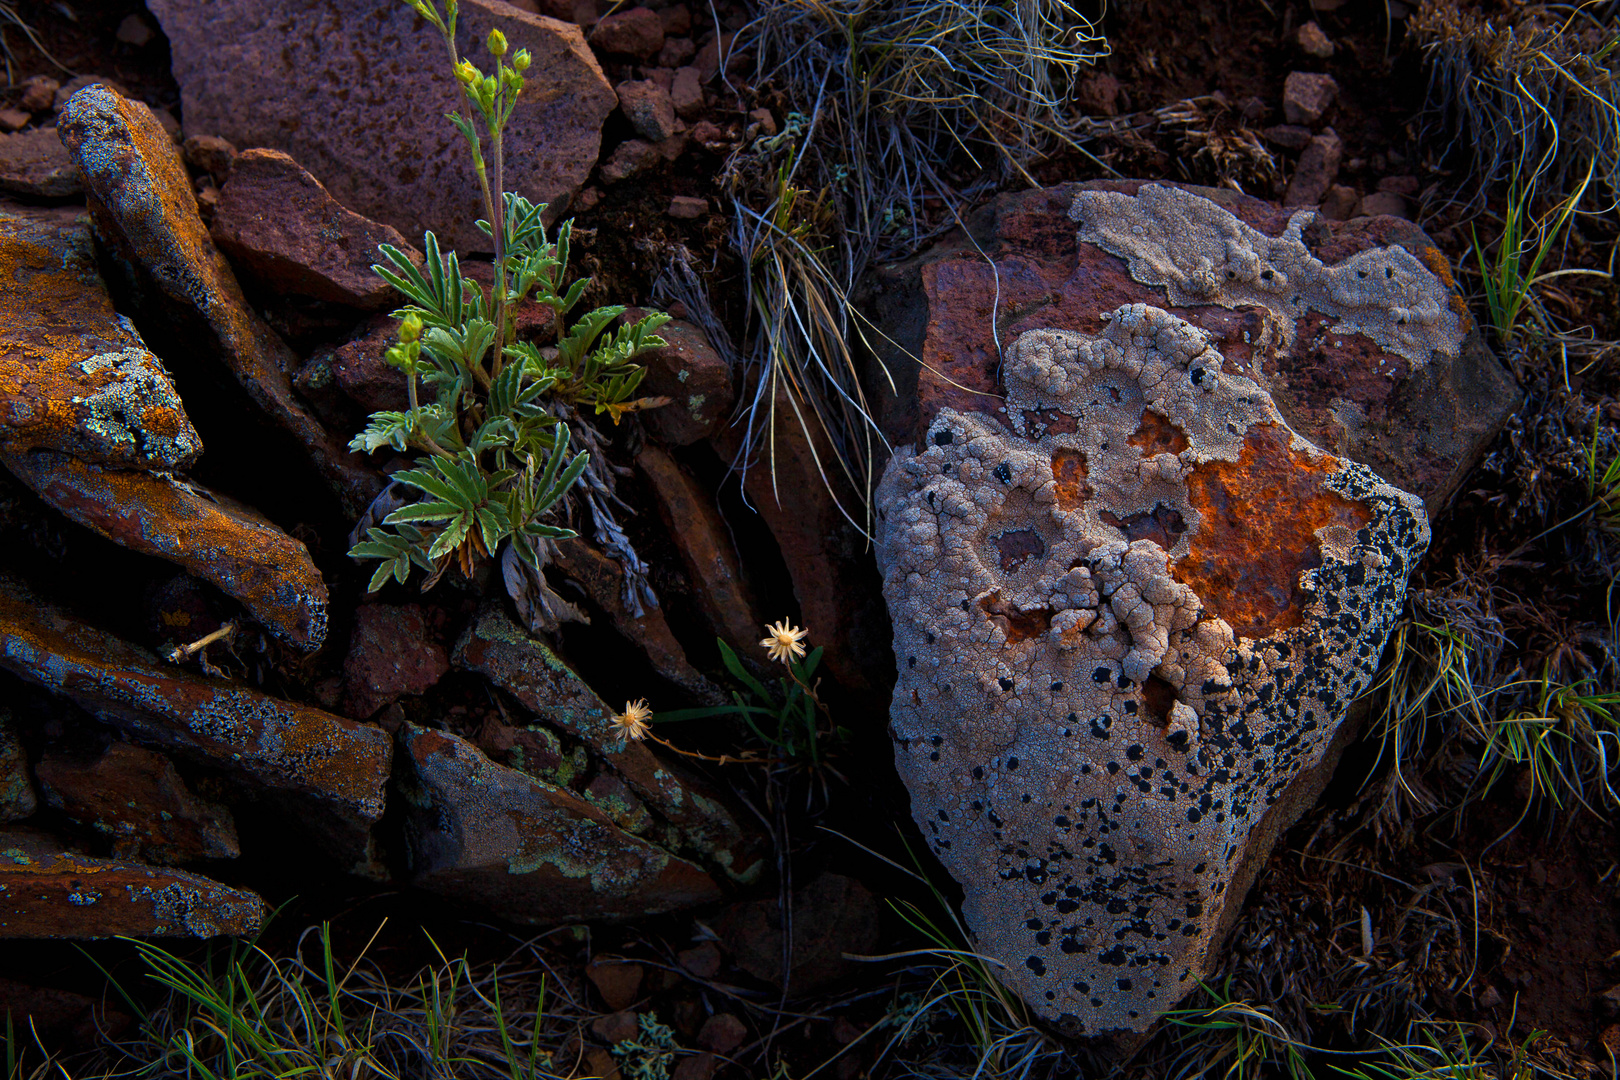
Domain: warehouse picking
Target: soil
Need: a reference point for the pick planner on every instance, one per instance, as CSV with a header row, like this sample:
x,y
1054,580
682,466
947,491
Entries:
x,y
1475,915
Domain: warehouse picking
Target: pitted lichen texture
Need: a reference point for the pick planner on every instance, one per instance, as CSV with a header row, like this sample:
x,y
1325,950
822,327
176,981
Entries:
x,y
1202,254
1087,739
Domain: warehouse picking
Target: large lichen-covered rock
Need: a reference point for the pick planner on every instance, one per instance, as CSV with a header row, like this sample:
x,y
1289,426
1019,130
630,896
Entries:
x,y
74,376
1129,618
145,214
47,891
329,773
1359,389
529,850
229,545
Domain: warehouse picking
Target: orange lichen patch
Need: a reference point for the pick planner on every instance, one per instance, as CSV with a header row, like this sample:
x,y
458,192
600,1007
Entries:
x,y
1257,530
1015,622
1156,435
247,557
1069,470
1438,264
1017,547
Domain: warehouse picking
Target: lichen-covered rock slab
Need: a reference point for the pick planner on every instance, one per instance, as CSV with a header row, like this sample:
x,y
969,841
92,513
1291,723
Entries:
x,y
144,211
211,537
525,668
17,798
49,892
331,773
356,91
530,851
279,223
74,376
135,801
1418,403
1127,620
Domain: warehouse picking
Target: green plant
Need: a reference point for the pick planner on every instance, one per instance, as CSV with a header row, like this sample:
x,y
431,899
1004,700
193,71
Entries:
x,y
1603,485
1443,1054
1248,1040
1507,281
647,1056
492,448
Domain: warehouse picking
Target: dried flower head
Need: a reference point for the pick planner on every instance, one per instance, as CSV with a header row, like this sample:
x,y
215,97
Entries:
x,y
785,640
632,723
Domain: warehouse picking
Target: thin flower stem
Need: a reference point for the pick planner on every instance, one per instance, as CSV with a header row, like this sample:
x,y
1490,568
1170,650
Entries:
x,y
723,759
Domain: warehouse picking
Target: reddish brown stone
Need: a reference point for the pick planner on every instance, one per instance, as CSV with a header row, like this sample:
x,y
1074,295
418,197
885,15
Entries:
x,y
331,772
693,522
362,372
278,223
212,155
619,983
48,892
391,653
693,375
1421,429
34,164
208,535
722,1033
534,853
701,960
17,798
832,915
635,32
616,1027
137,802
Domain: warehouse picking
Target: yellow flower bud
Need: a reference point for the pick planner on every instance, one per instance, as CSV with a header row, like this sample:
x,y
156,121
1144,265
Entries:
x,y
467,73
521,61
496,43
410,327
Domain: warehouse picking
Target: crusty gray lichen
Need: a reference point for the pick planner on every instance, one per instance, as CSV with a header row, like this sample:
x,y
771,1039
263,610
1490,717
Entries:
x,y
1093,827
1202,254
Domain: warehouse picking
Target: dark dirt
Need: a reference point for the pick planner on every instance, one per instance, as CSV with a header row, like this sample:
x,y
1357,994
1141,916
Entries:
x,y
1464,912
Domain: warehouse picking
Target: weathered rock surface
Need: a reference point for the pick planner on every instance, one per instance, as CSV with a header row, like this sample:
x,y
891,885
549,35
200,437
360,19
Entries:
x,y
1128,628
49,892
210,536
528,850
1421,426
695,378
522,666
143,209
74,376
331,772
34,165
832,915
279,222
17,798
392,652
137,802
357,91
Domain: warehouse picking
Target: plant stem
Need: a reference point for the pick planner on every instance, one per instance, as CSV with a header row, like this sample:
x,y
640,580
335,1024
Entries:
x,y
498,230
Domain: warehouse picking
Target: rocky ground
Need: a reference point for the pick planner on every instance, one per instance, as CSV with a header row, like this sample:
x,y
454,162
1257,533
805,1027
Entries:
x,y
204,717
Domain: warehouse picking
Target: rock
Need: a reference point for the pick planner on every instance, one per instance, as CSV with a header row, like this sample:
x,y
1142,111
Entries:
x,y
603,581
1129,628
690,372
60,1017
676,52
533,852
618,983
709,57
648,108
210,536
39,93
637,32
143,209
832,915
1339,204
1098,95
364,375
693,524
137,802
722,1033
702,960
687,208
695,1067
676,20
686,93
598,1064
276,221
761,122
1419,425
65,92
1405,186
1308,96
48,892
1288,136
1318,168
17,799
525,668
14,119
35,165
1313,42
213,155
616,1027
134,31
827,556
391,653
357,92
75,376
1382,202
630,158
329,772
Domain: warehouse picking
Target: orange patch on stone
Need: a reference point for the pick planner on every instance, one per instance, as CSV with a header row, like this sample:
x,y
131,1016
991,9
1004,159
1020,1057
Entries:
x,y
1257,523
1156,435
1015,622
1069,470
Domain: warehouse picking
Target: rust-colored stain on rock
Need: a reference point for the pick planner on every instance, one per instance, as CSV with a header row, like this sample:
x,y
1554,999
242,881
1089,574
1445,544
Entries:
x,y
1069,473
1271,500
1156,435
